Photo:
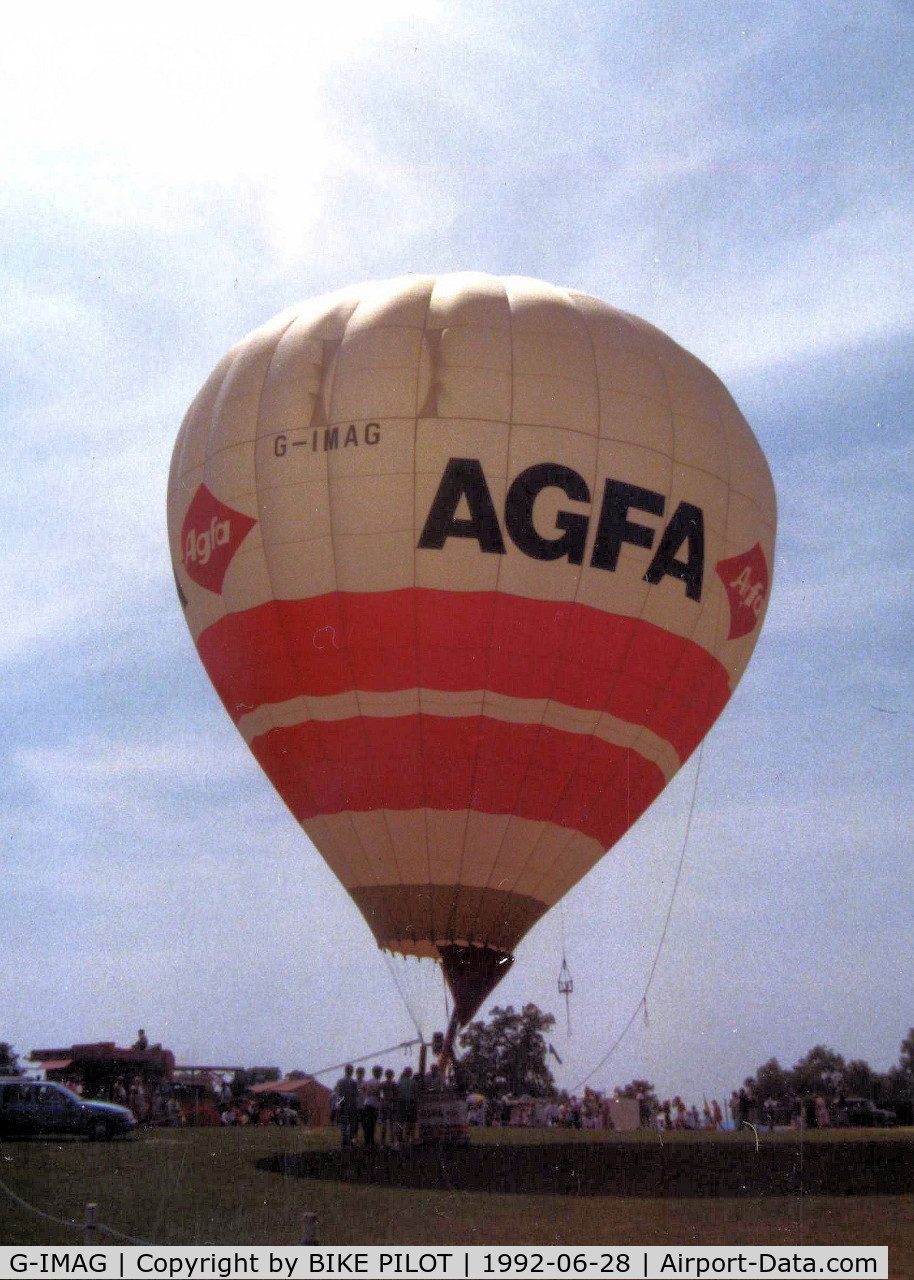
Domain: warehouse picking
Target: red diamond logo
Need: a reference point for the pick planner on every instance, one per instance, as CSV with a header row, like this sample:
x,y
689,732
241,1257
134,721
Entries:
x,y
210,536
745,579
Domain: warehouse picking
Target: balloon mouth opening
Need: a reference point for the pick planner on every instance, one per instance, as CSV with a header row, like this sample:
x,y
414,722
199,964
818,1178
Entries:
x,y
472,973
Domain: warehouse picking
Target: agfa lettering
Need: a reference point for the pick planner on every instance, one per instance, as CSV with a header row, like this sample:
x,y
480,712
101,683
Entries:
x,y
198,547
679,552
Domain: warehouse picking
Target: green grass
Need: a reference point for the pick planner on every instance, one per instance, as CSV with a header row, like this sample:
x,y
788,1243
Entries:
x,y
203,1187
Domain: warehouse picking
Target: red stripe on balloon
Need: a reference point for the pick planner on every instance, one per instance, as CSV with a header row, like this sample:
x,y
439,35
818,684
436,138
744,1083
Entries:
x,y
468,762
456,641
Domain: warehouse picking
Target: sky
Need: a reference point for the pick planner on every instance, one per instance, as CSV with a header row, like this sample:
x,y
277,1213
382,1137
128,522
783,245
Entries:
x,y
736,174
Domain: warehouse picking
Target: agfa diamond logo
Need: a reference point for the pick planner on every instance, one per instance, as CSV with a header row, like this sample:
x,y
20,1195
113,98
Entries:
x,y
745,579
210,536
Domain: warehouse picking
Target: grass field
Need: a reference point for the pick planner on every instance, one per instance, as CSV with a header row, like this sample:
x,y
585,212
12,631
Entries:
x,y
206,1187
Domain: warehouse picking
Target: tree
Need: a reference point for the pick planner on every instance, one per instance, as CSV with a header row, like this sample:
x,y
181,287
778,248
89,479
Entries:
x,y
906,1060
249,1076
9,1061
899,1082
507,1055
638,1089
771,1081
861,1081
820,1072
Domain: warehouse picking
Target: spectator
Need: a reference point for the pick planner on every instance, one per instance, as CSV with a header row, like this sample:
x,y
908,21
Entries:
x,y
407,1107
371,1105
347,1108
360,1100
388,1112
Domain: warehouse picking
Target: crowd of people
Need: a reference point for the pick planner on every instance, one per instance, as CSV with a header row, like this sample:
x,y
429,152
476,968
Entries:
x,y
151,1104
248,1111
674,1114
161,1104
376,1108
811,1111
380,1107
596,1111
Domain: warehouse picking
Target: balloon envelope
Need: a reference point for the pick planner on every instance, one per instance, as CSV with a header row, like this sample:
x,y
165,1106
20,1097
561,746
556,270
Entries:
x,y
473,564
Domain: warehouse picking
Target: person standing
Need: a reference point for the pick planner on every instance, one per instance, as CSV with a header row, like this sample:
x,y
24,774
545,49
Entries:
x,y
823,1120
407,1107
372,1105
388,1111
360,1100
347,1108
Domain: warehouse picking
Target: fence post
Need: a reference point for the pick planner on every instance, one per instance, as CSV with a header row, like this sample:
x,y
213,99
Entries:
x,y
308,1228
90,1228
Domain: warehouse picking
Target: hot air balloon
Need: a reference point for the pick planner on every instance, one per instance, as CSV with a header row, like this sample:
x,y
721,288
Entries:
x,y
473,563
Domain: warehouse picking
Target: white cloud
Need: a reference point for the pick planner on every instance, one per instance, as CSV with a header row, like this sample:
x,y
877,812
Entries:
x,y
94,762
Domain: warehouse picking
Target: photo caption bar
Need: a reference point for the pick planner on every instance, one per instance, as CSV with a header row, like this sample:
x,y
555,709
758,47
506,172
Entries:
x,y
628,1262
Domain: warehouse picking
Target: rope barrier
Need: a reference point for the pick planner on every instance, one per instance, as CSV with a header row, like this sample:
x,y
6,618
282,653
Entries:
x,y
89,1225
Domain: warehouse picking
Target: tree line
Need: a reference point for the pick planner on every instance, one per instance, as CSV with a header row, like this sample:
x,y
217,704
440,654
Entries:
x,y
823,1072
509,1054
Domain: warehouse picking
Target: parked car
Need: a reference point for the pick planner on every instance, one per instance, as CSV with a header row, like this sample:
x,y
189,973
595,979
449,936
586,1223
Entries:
x,y
32,1107
864,1112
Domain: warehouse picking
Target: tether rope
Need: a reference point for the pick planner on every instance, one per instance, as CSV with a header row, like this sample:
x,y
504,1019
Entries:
x,y
389,961
378,1053
642,1003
